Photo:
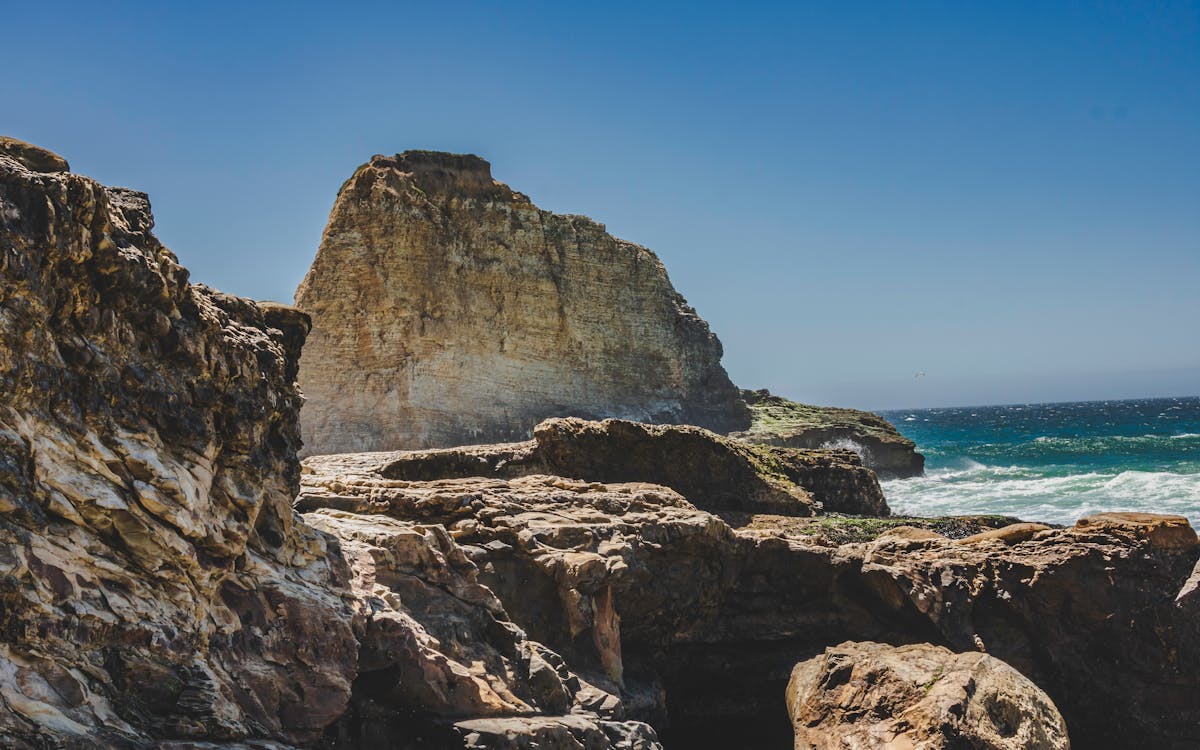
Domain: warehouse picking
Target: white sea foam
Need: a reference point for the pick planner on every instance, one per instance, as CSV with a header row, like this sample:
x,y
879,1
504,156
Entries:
x,y
1186,435
1031,496
849,445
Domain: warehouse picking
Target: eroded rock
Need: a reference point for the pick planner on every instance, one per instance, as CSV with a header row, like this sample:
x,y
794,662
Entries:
x,y
779,421
154,581
875,696
711,619
717,473
442,665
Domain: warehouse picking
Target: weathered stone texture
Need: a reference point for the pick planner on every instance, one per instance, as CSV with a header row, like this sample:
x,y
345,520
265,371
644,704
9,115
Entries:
x,y
699,624
154,581
449,310
877,697
779,421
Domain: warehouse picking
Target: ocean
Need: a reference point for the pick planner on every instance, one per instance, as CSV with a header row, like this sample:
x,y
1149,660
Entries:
x,y
1053,462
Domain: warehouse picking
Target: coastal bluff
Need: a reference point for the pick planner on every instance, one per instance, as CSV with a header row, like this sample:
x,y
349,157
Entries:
x,y
448,309
173,576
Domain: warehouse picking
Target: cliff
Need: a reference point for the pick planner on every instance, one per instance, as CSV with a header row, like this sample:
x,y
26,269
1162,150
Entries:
x,y
154,580
448,310
778,421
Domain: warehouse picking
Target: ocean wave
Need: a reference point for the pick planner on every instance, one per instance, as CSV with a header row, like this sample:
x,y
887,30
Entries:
x,y
1029,495
1186,436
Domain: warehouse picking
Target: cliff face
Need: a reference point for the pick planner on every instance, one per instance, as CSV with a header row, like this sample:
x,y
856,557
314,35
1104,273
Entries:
x,y
154,580
448,309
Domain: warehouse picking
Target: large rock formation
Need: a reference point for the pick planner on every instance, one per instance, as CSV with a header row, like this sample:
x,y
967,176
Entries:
x,y
157,589
442,665
697,625
448,310
778,421
875,697
154,581
725,475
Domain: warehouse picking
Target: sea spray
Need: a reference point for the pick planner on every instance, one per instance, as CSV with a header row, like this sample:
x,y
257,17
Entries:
x,y
1054,462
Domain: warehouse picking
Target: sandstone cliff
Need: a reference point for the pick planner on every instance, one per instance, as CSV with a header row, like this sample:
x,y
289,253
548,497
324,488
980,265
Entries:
x,y
778,421
448,310
157,590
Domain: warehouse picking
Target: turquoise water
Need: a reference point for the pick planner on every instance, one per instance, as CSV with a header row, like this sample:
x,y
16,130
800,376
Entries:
x,y
1054,462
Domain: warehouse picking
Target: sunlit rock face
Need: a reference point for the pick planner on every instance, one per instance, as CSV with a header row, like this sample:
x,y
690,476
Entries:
x,y
871,695
154,580
448,309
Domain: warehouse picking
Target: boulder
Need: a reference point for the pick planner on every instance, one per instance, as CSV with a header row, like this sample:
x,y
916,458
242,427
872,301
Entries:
x,y
871,695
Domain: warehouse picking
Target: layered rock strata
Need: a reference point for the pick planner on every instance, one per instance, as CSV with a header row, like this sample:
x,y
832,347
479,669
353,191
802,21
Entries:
x,y
698,624
155,583
873,696
449,310
778,421
724,475
441,664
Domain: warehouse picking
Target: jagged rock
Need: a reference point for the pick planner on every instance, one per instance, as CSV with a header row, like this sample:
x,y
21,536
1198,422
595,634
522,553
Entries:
x,y
702,623
1189,594
440,662
34,158
716,473
154,581
448,309
873,696
1086,612
778,421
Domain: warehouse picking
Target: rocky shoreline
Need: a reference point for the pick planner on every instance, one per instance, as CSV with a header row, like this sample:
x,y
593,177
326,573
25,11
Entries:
x,y
172,575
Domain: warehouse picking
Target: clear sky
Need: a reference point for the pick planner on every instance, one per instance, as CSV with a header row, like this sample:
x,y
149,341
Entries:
x,y
1004,196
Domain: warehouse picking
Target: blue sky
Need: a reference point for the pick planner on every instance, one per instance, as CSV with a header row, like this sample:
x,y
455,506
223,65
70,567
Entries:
x,y
1003,196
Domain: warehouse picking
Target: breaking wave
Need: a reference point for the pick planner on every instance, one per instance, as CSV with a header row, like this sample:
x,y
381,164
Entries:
x,y
1054,462
1033,496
